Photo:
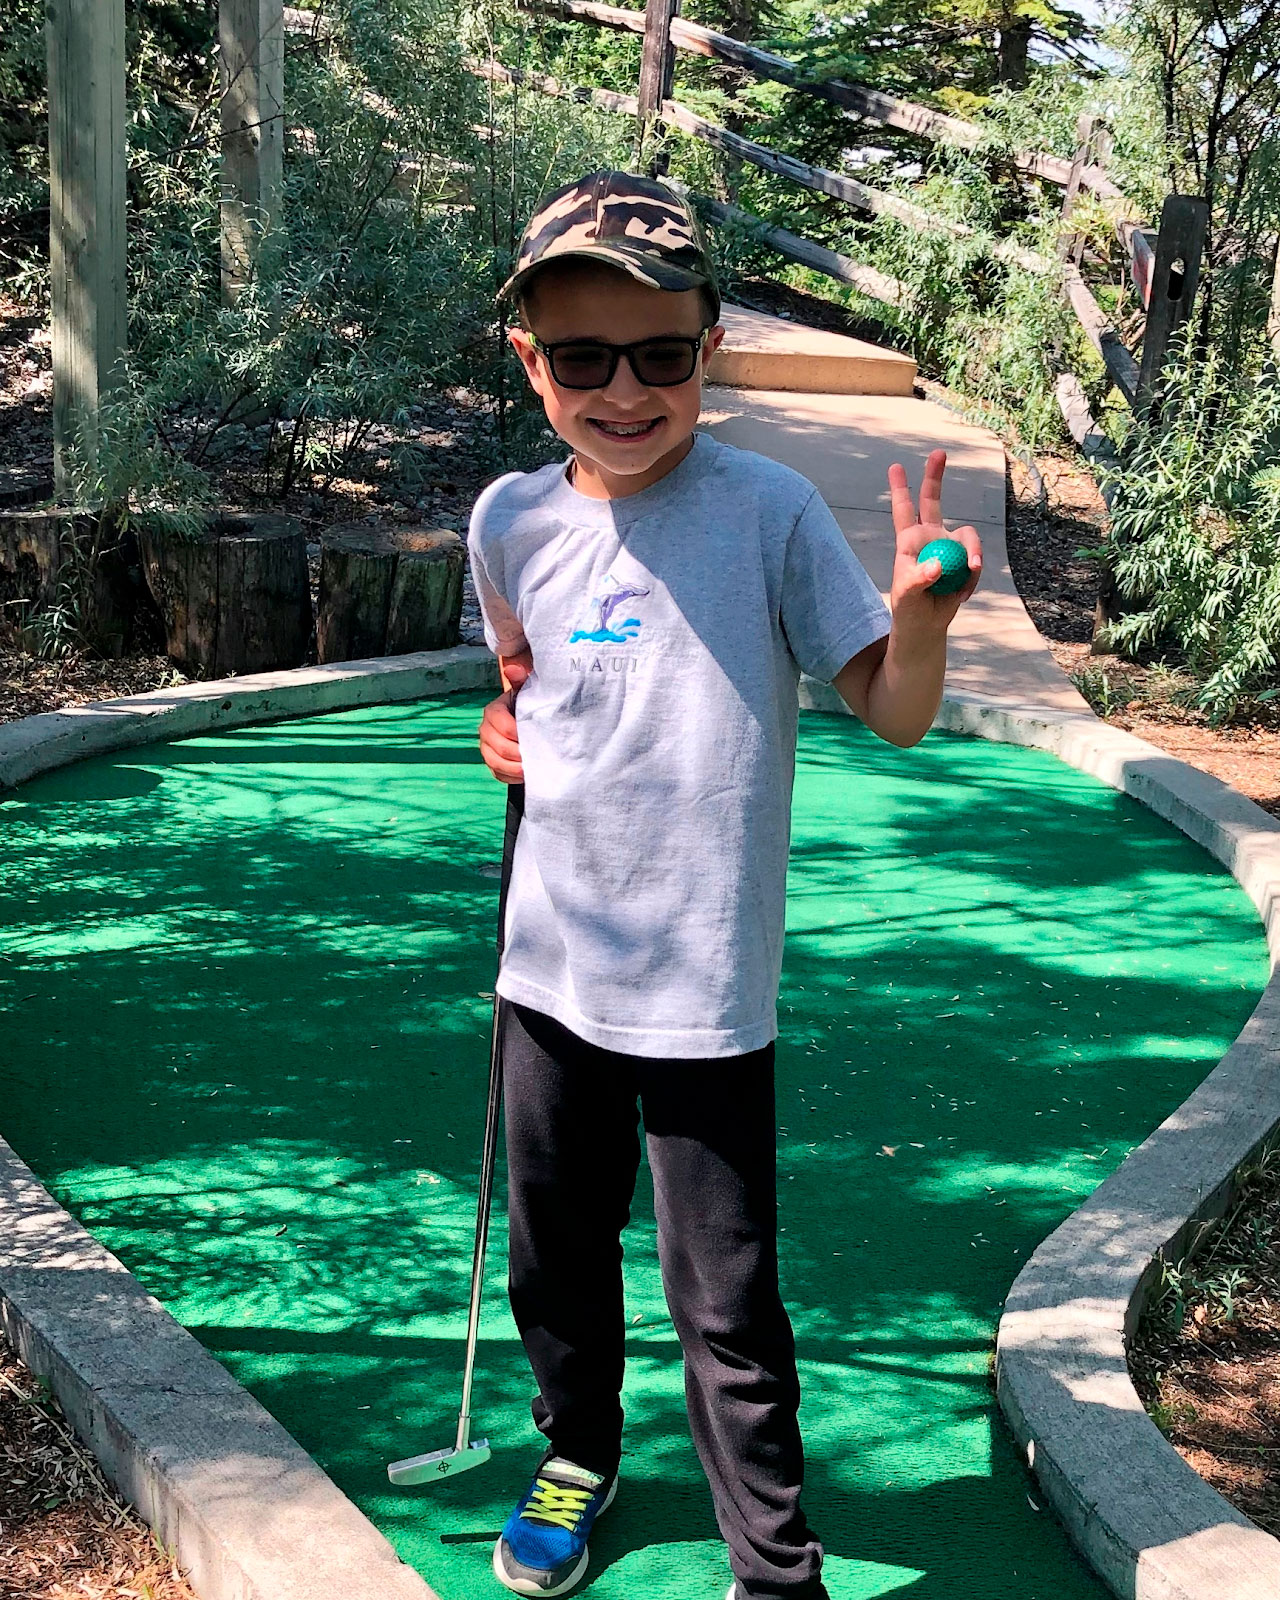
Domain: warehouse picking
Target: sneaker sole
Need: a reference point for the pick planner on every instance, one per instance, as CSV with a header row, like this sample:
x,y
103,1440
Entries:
x,y
523,1586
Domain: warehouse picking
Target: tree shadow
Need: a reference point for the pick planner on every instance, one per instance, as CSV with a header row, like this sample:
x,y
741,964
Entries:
x,y
245,983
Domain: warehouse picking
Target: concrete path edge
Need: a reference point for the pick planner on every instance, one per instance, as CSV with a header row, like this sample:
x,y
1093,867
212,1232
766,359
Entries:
x,y
252,1517
1150,1526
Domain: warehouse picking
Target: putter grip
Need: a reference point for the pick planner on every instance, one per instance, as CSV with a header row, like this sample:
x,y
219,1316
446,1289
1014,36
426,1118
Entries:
x,y
515,812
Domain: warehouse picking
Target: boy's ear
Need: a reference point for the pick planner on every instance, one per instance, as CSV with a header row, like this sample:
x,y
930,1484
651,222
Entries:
x,y
519,341
713,341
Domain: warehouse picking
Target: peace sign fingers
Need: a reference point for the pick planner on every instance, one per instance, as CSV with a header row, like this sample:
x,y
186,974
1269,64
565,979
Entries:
x,y
931,489
904,508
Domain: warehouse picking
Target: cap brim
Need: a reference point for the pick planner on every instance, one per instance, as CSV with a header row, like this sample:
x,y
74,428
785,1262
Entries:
x,y
643,267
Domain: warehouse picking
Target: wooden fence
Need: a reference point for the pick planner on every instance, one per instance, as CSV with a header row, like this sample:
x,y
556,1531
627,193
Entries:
x,y
1164,264
86,62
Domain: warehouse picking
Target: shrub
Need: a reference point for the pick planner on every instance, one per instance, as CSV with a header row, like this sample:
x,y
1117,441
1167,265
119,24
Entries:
x,y
1195,530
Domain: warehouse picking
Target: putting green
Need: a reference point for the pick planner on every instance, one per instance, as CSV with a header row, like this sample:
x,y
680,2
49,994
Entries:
x,y
244,982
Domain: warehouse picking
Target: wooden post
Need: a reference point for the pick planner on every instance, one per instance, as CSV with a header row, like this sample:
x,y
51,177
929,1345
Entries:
x,y
1070,244
1184,220
251,53
86,223
657,69
1273,316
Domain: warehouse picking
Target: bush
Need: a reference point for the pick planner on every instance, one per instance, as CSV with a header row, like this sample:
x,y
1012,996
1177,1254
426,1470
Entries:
x,y
1195,531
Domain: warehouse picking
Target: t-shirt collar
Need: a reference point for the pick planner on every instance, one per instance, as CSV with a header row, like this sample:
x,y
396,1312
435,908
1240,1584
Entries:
x,y
585,510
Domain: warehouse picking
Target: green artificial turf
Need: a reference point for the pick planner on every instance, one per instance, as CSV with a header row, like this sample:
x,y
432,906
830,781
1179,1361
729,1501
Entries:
x,y
245,986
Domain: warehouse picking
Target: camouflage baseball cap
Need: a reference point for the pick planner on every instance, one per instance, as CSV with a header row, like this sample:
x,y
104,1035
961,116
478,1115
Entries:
x,y
628,221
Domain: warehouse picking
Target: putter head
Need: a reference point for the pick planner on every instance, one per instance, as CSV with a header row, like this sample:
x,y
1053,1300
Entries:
x,y
439,1464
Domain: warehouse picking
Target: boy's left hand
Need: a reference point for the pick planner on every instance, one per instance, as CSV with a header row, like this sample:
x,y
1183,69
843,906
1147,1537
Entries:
x,y
915,609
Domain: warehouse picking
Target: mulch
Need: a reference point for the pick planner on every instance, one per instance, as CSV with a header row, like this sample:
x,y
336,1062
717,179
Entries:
x,y
64,1534
1207,1357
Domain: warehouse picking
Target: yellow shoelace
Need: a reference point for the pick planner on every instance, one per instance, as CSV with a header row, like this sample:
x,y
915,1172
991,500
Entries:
x,y
555,1504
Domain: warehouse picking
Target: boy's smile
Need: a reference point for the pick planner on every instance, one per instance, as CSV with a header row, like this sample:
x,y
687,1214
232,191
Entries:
x,y
627,435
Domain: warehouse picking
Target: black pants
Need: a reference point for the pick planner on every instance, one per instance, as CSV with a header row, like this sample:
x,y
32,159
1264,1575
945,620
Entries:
x,y
572,1118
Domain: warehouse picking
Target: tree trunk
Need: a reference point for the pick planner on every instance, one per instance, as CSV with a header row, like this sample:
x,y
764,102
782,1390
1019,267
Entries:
x,y
75,573
1012,51
388,591
234,599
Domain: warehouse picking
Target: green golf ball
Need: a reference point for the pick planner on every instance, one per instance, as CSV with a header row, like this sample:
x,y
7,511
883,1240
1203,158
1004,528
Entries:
x,y
955,564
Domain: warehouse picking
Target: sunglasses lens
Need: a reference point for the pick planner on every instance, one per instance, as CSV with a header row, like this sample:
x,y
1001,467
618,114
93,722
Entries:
x,y
582,366
664,363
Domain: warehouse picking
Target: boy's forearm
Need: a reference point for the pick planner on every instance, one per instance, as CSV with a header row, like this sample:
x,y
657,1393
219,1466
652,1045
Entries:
x,y
905,690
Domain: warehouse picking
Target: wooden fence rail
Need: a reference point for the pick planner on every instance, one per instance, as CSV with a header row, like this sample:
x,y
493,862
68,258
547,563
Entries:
x,y
871,104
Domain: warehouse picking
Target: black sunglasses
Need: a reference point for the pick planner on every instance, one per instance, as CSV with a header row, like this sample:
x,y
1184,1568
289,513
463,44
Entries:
x,y
590,364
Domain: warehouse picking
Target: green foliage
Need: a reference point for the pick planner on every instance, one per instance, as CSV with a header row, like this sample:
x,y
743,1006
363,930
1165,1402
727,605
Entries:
x,y
407,183
1195,531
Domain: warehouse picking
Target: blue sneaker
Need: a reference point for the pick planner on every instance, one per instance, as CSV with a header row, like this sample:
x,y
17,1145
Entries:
x,y
542,1550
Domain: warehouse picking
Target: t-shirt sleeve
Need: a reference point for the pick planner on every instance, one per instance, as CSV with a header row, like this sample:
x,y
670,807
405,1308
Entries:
x,y
830,608
503,632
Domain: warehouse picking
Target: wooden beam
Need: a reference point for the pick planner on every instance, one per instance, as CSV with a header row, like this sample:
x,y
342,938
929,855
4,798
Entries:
x,y
86,224
871,104
1070,243
1121,366
876,285
1273,315
840,187
1094,443
1184,221
1140,246
657,65
602,99
251,57
657,70
805,173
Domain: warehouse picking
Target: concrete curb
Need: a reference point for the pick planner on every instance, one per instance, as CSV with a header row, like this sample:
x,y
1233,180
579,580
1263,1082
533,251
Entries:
x,y
244,1508
252,1517
57,738
1149,1526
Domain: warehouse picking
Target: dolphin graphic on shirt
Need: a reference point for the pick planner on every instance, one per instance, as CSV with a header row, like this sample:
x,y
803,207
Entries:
x,y
605,606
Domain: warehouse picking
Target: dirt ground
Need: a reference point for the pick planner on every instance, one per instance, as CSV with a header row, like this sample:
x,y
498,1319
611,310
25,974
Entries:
x,y
1207,1360
1058,585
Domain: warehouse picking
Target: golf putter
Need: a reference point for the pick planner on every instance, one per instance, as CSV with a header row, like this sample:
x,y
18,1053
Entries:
x,y
465,1452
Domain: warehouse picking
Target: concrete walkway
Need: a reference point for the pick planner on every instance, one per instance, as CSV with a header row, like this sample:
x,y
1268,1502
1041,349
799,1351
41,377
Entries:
x,y
845,443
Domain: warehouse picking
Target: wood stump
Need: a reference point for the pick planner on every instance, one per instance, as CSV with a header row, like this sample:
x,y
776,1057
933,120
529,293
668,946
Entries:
x,y
388,591
81,564
235,597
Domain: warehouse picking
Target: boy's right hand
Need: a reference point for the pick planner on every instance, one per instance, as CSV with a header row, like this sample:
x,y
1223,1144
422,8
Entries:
x,y
499,742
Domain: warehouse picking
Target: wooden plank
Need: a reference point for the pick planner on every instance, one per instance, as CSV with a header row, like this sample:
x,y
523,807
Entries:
x,y
602,99
251,60
876,285
836,184
657,65
1121,366
871,104
1184,220
86,225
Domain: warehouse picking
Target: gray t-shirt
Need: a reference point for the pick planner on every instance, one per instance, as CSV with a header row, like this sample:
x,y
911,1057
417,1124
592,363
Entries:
x,y
657,733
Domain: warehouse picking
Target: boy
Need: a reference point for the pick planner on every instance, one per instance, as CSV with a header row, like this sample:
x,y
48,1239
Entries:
x,y
652,602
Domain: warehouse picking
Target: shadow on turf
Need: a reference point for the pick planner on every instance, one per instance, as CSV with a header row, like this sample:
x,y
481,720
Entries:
x,y
247,1042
